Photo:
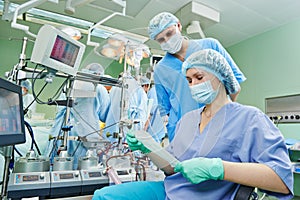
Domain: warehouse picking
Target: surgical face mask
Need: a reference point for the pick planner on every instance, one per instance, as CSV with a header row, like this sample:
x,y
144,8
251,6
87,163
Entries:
x,y
204,92
174,44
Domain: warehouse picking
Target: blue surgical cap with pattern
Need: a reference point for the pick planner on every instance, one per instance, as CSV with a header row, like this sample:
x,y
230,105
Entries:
x,y
213,62
144,81
26,84
160,22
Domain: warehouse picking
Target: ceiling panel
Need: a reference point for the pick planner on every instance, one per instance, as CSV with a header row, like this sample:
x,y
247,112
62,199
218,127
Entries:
x,y
225,34
239,19
133,7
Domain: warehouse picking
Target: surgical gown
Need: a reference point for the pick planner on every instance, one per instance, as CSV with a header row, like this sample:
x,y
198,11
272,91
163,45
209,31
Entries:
x,y
173,93
84,119
156,126
134,107
236,133
27,100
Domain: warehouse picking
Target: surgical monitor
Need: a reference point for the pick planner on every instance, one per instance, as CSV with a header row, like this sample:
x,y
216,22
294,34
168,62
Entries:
x,y
12,130
57,50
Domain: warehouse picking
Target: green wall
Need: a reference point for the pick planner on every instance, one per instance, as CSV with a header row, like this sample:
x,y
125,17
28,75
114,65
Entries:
x,y
271,64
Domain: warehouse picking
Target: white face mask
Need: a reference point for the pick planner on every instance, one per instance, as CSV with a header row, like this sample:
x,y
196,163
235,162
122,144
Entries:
x,y
174,44
204,92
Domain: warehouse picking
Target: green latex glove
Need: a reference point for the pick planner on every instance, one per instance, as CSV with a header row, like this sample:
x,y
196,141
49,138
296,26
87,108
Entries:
x,y
201,169
134,144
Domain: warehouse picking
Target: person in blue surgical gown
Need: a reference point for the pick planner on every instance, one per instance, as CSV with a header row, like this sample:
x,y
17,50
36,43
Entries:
x,y
219,147
127,107
28,100
84,115
173,95
155,123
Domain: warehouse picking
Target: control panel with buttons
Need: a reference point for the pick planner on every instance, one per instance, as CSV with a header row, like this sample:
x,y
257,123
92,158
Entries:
x,y
283,109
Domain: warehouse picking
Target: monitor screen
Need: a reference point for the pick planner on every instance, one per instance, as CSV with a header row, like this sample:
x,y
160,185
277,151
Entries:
x,y
12,129
64,51
56,50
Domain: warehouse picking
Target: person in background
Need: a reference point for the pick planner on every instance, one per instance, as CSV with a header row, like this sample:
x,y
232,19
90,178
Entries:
x,y
108,87
174,98
131,106
155,123
29,103
145,83
220,147
85,115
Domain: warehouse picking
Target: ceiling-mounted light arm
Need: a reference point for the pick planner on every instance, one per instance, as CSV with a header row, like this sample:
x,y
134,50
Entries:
x,y
121,3
22,9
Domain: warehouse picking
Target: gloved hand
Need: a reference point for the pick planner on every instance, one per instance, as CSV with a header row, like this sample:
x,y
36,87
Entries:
x,y
201,169
134,144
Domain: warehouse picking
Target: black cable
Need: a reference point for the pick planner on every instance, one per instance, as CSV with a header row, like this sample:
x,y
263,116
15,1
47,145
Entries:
x,y
55,96
33,84
35,99
18,152
35,96
33,142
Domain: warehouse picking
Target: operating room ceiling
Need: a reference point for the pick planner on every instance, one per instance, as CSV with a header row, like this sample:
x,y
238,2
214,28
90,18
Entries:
x,y
238,19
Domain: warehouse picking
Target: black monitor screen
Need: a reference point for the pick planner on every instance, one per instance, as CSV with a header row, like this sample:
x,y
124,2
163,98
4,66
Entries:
x,y
64,51
12,129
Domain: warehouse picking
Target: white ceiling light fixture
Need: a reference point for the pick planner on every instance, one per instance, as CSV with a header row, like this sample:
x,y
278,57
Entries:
x,y
193,13
195,29
71,4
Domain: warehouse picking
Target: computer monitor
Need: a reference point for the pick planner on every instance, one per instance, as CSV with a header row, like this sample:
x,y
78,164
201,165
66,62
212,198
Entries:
x,y
12,129
154,59
57,50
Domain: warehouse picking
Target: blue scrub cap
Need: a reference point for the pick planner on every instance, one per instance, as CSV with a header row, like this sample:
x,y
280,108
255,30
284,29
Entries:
x,y
213,62
160,22
26,84
94,68
144,81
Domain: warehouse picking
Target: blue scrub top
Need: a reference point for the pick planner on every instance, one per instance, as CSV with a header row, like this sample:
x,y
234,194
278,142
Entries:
x,y
255,140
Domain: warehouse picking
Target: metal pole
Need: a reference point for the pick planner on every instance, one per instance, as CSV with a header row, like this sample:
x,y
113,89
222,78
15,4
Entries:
x,y
8,150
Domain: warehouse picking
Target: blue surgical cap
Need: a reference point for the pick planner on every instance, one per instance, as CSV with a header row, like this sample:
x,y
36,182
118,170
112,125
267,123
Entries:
x,y
160,22
26,84
94,68
213,62
144,81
